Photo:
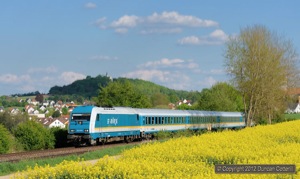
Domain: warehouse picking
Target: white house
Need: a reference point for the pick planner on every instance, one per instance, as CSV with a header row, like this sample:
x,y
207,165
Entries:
x,y
293,108
30,110
61,123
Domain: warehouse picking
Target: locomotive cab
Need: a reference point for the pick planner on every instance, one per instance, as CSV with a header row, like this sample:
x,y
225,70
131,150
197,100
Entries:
x,y
79,126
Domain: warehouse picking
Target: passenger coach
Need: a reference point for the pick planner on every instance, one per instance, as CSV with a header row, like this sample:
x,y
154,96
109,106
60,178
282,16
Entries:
x,y
93,125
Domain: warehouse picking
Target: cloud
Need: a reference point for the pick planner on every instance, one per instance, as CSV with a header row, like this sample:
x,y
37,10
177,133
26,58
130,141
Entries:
x,y
69,77
100,23
126,21
175,18
209,81
90,5
149,75
36,79
216,37
174,73
161,31
11,78
160,23
167,63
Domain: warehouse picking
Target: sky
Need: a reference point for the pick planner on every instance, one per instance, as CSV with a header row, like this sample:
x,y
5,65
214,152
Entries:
x,y
176,44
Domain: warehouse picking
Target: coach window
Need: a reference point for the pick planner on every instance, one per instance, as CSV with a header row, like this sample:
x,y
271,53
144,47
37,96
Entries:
x,y
162,120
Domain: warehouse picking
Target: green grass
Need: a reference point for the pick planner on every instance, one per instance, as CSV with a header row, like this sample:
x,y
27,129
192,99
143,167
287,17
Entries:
x,y
12,167
289,117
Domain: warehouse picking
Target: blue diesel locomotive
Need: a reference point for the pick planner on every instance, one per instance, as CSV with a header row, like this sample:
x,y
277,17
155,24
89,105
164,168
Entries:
x,y
97,125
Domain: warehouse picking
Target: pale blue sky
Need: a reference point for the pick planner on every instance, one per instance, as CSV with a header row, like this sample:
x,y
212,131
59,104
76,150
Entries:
x,y
177,44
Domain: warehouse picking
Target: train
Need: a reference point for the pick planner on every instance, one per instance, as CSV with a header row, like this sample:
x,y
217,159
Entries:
x,y
93,125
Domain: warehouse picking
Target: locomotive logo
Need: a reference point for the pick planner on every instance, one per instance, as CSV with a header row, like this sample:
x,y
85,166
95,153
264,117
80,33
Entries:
x,y
113,121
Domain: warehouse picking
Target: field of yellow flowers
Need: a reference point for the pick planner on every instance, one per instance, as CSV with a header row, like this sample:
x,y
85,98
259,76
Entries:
x,y
192,157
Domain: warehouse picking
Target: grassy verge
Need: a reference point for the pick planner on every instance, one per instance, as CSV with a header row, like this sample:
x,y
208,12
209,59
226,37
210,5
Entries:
x,y
12,167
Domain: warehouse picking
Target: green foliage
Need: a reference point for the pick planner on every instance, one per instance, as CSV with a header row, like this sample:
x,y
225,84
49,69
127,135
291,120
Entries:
x,y
184,107
7,102
10,121
56,114
183,133
4,140
34,136
60,137
64,110
122,94
163,135
221,97
262,65
158,99
87,87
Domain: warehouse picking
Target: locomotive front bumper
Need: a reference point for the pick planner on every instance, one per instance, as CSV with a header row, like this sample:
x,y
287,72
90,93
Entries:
x,y
76,136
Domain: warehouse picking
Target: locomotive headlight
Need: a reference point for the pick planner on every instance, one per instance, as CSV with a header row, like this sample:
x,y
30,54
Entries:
x,y
86,130
72,130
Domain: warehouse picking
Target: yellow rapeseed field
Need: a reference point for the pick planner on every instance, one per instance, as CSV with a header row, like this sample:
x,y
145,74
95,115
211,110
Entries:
x,y
192,157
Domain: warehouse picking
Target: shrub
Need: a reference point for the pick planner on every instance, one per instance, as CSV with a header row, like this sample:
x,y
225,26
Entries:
x,y
60,136
34,136
4,140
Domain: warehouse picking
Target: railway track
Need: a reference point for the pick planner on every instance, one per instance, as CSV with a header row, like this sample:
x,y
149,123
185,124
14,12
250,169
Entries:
x,y
14,157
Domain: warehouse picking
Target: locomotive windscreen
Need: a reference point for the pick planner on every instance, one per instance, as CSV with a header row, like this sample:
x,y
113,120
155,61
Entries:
x,y
77,117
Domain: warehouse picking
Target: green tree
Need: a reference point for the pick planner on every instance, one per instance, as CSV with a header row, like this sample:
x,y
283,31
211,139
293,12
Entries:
x,y
159,99
5,140
64,110
220,97
56,114
33,136
262,65
121,94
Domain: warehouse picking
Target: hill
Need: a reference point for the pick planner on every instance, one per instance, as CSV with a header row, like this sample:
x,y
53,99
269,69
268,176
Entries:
x,y
89,88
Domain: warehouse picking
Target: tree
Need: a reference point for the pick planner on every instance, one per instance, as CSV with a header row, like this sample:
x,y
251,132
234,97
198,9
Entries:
x,y
221,97
39,98
10,121
159,99
262,65
56,114
4,140
121,94
33,136
64,111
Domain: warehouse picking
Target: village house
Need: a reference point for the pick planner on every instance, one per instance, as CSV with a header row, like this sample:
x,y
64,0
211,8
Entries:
x,y
56,122
187,102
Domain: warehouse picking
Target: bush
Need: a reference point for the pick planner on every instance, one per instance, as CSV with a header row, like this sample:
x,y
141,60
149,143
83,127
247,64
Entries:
x,y
60,136
163,135
33,136
4,140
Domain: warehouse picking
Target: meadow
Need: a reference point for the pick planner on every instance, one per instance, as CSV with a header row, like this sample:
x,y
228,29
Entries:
x,y
191,157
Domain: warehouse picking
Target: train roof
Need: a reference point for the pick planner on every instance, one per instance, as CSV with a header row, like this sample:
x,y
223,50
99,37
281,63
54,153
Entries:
x,y
152,112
